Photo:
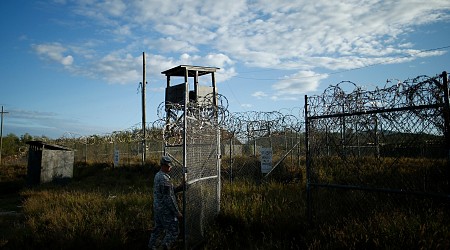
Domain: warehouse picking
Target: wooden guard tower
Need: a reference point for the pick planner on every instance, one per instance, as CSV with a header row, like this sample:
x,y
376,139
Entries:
x,y
180,93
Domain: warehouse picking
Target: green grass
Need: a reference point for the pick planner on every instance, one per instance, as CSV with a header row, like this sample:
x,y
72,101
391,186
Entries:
x,y
111,208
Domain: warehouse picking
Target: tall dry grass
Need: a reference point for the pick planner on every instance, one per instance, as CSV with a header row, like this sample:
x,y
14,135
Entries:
x,y
111,208
100,208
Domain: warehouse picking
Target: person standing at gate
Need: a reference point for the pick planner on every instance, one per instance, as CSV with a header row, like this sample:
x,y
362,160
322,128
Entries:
x,y
165,208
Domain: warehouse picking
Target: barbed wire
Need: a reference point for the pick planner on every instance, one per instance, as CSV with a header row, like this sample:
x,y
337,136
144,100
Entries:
x,y
422,90
344,97
254,124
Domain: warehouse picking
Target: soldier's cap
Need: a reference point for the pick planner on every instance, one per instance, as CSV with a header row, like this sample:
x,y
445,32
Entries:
x,y
165,160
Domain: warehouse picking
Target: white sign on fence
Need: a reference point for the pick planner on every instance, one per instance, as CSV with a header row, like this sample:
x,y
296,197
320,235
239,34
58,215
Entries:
x,y
116,158
266,160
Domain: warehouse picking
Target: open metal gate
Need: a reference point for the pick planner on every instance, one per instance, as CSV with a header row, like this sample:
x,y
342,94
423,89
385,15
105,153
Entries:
x,y
378,151
192,139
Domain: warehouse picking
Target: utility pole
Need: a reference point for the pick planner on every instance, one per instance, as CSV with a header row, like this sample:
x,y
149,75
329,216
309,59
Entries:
x,y
1,134
144,134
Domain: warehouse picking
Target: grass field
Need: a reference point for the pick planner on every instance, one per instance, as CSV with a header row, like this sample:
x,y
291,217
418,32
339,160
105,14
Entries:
x,y
110,208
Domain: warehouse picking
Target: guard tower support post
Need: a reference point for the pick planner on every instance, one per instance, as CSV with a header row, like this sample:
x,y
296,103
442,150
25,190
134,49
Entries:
x,y
167,112
185,127
219,153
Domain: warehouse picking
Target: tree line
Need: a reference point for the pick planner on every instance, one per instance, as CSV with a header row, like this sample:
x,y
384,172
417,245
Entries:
x,y
14,145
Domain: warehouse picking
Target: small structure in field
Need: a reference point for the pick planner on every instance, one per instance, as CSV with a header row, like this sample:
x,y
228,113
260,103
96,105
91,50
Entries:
x,y
47,163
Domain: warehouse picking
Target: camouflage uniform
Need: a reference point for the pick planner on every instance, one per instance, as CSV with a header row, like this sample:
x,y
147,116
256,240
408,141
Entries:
x,y
165,209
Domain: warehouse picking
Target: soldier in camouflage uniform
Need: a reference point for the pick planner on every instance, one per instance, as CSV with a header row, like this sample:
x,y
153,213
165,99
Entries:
x,y
165,207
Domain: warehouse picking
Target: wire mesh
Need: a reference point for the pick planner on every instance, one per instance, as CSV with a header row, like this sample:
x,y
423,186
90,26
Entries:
x,y
202,196
246,133
191,137
364,143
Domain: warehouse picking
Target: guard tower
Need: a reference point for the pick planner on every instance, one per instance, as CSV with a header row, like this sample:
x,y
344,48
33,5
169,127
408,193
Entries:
x,y
192,140
177,93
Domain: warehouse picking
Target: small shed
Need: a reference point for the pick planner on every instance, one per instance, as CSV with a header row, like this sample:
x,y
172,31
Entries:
x,y
47,162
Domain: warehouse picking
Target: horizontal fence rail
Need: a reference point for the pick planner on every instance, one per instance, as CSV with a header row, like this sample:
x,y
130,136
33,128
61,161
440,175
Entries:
x,y
390,141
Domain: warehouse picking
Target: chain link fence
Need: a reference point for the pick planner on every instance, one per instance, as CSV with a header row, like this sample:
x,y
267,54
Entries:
x,y
361,152
385,149
246,134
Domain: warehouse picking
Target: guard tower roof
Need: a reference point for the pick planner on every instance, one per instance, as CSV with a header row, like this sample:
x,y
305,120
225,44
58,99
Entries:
x,y
181,70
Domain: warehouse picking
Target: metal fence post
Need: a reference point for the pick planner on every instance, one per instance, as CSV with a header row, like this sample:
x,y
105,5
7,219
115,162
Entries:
x,y
308,165
447,123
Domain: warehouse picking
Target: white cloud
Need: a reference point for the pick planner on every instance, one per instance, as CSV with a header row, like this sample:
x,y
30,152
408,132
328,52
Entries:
x,y
54,52
259,94
170,44
52,124
294,35
327,29
60,1
113,7
67,60
124,30
299,83
221,61
120,69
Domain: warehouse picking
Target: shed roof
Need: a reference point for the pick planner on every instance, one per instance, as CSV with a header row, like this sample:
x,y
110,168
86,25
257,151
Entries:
x,y
181,70
47,146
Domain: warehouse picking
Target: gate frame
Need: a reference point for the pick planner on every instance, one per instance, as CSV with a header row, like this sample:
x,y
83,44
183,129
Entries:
x,y
184,100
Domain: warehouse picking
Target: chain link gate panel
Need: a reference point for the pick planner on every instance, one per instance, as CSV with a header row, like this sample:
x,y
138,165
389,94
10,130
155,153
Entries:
x,y
201,199
203,194
192,138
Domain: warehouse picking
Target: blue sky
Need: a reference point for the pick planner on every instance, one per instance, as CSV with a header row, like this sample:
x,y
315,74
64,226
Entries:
x,y
74,66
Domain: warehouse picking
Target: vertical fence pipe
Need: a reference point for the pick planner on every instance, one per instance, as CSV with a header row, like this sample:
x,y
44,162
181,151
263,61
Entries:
x,y
446,109
327,134
85,151
377,141
231,158
447,123
254,146
144,129
308,165
297,139
184,168
219,153
292,146
343,131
